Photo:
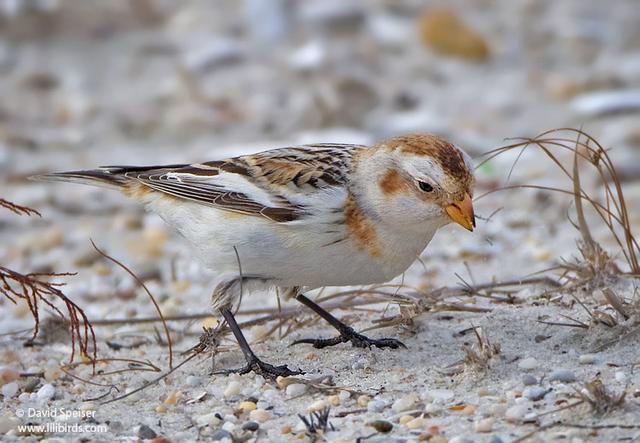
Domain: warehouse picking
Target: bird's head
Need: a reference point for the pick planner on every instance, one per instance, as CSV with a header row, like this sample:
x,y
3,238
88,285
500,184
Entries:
x,y
415,180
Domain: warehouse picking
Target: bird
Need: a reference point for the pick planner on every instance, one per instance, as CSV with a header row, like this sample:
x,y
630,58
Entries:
x,y
303,217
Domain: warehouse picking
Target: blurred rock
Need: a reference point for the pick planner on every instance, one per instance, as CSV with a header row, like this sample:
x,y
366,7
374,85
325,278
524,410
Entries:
x,y
308,57
5,158
561,88
599,103
356,98
41,81
7,57
332,14
209,52
267,20
389,31
444,32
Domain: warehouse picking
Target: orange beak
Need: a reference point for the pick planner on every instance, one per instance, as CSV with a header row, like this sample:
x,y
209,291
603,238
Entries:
x,y
461,212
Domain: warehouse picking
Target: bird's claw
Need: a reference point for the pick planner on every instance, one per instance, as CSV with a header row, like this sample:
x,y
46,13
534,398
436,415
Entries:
x,y
259,367
357,340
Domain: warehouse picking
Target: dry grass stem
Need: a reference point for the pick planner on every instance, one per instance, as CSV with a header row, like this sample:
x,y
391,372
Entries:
x,y
317,423
610,206
151,297
477,356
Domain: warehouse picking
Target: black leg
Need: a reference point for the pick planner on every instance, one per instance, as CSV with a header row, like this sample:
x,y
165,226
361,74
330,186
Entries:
x,y
346,332
253,362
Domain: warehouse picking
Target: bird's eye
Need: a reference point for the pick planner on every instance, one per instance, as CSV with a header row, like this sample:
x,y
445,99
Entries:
x,y
424,186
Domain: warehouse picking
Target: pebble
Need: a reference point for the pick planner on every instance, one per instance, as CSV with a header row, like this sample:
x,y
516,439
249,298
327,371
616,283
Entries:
x,y
260,415
308,57
230,418
445,32
516,414
8,375
49,239
334,400
46,392
620,376
469,410
296,389
8,423
286,429
417,423
529,380
405,403
259,381
233,389
158,440
10,389
193,381
535,393
439,395
405,419
363,401
606,102
562,375
87,406
173,398
376,405
528,364
146,433
344,395
484,425
496,439
587,359
86,257
317,406
221,434
360,364
382,426
247,406
263,404
250,426
31,384
212,420
52,373
228,426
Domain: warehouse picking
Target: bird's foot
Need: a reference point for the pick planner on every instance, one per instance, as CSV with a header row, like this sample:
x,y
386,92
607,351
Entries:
x,y
257,366
347,334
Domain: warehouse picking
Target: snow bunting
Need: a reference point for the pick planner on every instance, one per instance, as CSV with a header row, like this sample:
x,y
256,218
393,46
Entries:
x,y
305,217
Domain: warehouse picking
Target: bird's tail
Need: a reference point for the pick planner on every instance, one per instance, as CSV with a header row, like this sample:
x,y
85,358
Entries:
x,y
108,176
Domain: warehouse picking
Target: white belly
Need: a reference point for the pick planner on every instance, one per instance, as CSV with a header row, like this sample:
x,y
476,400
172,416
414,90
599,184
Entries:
x,y
301,253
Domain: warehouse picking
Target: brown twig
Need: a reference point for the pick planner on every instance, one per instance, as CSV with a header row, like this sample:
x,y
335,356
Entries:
x,y
151,297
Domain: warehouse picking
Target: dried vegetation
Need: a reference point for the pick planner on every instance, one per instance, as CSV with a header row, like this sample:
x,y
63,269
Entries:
x,y
593,270
37,289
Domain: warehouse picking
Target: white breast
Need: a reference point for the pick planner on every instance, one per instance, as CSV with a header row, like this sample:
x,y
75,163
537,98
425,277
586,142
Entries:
x,y
312,252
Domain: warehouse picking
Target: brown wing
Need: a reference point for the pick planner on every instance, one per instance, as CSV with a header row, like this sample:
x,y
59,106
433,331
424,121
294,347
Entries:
x,y
282,177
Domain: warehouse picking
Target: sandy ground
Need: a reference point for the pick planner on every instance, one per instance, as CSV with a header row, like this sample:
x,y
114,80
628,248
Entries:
x,y
146,82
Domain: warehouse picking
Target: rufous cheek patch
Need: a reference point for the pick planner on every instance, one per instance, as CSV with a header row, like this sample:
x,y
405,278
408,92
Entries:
x,y
392,183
